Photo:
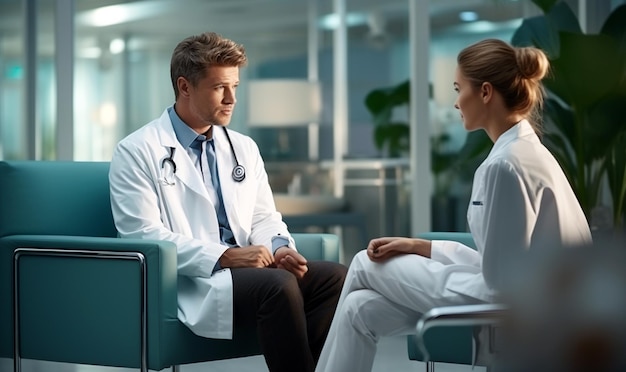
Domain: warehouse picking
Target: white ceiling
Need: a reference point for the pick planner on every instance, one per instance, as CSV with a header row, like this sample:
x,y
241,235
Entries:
x,y
265,27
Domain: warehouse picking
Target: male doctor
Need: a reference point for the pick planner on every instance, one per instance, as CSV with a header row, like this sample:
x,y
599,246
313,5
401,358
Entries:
x,y
185,178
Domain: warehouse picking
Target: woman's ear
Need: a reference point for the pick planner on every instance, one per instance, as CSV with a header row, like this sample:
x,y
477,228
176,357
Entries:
x,y
486,92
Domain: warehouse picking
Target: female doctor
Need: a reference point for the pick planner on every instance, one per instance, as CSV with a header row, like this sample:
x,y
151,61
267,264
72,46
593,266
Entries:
x,y
520,200
185,178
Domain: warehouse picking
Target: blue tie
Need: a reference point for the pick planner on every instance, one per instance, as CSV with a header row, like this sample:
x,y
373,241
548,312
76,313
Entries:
x,y
208,156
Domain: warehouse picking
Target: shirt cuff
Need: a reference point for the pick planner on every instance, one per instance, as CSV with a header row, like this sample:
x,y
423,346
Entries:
x,y
279,241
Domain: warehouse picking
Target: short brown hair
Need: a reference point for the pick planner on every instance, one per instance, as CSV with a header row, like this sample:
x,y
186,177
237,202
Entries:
x,y
194,54
514,72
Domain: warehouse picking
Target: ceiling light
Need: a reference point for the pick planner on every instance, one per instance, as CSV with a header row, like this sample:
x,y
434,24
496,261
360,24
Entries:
x,y
122,13
468,16
117,46
331,21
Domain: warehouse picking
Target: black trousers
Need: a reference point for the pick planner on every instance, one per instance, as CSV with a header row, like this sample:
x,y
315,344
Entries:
x,y
292,316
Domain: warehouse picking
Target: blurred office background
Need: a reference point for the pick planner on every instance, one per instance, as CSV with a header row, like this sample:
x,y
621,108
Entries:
x,y
76,76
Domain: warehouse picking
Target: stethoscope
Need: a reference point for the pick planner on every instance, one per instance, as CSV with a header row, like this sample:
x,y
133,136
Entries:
x,y
168,166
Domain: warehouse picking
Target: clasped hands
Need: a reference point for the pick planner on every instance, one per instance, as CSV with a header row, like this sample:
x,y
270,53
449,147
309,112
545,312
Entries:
x,y
259,256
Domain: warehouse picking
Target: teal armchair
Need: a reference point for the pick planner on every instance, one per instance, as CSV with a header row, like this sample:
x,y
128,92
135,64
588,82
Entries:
x,y
73,292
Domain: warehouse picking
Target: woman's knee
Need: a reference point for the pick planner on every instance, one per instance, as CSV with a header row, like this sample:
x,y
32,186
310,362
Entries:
x,y
360,261
358,308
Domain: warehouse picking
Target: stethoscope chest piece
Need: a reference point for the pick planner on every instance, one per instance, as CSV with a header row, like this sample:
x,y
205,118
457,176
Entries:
x,y
239,173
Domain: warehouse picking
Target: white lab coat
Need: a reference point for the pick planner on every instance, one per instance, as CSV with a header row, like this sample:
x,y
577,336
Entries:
x,y
183,213
520,200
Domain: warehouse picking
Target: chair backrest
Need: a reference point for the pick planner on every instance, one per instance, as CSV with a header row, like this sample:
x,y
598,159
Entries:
x,y
48,198
55,198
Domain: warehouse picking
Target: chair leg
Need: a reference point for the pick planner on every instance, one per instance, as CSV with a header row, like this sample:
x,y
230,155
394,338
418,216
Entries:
x,y
175,368
430,366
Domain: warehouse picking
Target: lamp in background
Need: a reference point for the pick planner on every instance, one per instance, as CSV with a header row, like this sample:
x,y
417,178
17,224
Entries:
x,y
280,103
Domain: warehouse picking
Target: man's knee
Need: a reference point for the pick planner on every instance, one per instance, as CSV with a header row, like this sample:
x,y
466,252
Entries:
x,y
282,287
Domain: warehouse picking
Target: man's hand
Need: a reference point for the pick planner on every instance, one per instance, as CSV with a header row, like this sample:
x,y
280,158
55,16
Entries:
x,y
382,249
290,260
250,256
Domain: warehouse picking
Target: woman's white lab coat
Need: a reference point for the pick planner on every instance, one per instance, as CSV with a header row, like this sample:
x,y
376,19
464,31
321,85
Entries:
x,y
144,206
520,200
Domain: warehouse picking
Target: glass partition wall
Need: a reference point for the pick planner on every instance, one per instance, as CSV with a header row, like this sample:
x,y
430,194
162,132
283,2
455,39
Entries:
x,y
120,79
122,50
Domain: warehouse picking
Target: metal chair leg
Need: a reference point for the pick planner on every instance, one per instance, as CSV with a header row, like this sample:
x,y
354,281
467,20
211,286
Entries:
x,y
430,366
175,368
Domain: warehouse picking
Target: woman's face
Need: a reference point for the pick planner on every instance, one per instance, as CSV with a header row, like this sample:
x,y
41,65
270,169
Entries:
x,y
468,102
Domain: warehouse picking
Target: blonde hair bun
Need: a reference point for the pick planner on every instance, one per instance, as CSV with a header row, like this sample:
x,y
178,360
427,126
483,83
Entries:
x,y
532,63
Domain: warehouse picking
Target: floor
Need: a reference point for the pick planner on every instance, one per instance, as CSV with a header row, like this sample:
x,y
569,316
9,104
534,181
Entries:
x,y
391,356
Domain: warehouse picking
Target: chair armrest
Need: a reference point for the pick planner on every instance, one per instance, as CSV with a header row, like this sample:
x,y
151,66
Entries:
x,y
83,296
464,315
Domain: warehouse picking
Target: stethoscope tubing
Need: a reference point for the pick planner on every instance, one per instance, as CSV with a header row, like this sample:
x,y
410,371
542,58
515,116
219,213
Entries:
x,y
238,173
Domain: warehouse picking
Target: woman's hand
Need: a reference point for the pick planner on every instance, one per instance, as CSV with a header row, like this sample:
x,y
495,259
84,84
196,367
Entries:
x,y
382,249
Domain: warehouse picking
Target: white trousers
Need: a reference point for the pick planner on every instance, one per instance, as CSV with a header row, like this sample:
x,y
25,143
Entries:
x,y
382,299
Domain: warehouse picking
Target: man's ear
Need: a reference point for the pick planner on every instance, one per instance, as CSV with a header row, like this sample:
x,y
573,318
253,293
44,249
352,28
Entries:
x,y
183,86
486,91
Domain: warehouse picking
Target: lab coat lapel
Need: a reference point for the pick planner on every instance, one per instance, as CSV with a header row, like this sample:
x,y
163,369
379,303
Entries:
x,y
185,170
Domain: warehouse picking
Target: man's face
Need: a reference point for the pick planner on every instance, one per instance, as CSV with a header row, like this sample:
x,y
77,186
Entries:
x,y
212,100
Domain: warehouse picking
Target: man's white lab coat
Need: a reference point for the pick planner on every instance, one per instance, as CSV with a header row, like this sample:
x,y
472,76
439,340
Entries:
x,y
146,207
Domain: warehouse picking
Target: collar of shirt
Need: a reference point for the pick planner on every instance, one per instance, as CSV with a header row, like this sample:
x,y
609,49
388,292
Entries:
x,y
519,130
185,135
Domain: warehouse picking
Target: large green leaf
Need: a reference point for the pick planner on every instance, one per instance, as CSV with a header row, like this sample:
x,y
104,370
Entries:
x,y
562,117
562,18
377,103
395,136
537,31
545,5
608,117
586,69
615,26
385,99
542,31
381,102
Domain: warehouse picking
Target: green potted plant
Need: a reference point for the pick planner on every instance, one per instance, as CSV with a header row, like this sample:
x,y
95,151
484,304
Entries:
x,y
390,135
585,111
